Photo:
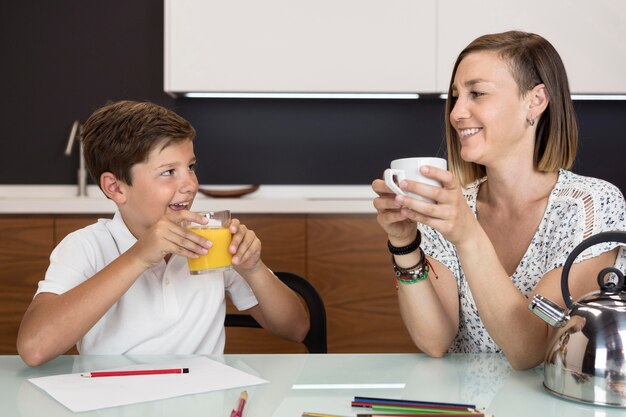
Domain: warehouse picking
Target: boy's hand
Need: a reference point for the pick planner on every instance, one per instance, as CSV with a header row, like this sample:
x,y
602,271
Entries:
x,y
167,236
245,247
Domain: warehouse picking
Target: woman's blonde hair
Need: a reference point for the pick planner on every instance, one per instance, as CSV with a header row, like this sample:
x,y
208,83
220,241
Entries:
x,y
532,60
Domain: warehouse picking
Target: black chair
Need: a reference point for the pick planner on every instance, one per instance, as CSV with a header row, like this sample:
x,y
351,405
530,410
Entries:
x,y
315,340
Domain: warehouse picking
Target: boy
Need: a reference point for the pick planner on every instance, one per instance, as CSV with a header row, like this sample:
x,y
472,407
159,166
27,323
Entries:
x,y
122,285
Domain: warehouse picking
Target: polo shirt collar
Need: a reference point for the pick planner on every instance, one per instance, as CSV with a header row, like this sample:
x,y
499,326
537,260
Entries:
x,y
124,239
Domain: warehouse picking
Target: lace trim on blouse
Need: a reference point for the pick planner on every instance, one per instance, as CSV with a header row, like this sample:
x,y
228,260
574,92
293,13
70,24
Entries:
x,y
578,207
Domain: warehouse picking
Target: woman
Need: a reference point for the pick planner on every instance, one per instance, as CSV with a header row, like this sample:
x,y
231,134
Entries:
x,y
508,213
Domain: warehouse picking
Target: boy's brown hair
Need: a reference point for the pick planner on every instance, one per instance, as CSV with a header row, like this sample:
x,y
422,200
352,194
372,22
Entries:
x,y
122,134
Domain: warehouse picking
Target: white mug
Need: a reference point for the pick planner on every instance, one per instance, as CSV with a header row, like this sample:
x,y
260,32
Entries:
x,y
409,169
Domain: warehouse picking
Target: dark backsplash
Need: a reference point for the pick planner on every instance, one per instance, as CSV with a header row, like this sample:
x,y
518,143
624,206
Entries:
x,y
61,60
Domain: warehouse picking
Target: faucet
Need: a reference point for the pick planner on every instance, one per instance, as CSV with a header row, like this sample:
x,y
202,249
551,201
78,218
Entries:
x,y
77,130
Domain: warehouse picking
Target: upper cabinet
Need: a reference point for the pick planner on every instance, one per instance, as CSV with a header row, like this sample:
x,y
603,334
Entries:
x,y
375,46
346,46
590,36
337,46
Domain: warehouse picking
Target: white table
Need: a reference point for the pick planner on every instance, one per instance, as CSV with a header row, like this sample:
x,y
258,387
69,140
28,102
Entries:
x,y
314,383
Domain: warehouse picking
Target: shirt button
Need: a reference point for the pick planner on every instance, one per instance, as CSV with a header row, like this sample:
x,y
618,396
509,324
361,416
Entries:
x,y
167,282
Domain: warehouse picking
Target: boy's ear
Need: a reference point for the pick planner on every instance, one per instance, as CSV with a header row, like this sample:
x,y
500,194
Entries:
x,y
113,188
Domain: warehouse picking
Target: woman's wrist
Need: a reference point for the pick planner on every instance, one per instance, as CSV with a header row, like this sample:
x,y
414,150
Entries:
x,y
404,246
412,274
409,261
471,240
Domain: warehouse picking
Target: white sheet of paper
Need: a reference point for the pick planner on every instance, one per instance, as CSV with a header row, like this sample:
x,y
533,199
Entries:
x,y
83,394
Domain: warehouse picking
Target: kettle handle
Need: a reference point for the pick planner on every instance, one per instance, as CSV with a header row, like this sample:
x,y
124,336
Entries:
x,y
615,236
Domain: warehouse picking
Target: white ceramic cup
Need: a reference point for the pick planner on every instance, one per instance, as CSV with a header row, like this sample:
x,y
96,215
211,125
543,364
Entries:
x,y
409,169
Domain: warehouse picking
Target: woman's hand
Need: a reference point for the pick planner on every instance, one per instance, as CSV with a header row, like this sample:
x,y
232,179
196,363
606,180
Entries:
x,y
449,215
396,223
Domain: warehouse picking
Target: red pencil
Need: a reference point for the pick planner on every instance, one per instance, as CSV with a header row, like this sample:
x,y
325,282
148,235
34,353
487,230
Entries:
x,y
243,397
136,372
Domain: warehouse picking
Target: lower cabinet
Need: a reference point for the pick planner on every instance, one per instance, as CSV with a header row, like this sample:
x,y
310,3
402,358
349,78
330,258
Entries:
x,y
349,264
283,239
344,256
25,245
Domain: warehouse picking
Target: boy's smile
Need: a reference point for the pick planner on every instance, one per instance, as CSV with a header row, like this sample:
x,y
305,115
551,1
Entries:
x,y
179,206
165,182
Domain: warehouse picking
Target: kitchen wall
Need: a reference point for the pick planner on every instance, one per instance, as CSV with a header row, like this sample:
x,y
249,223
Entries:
x,y
61,60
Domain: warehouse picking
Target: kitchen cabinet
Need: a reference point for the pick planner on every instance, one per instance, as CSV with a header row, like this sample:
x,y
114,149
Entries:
x,y
25,244
589,36
349,264
369,46
346,259
348,46
343,255
284,249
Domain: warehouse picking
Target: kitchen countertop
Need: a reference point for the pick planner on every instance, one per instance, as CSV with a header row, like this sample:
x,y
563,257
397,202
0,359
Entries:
x,y
62,199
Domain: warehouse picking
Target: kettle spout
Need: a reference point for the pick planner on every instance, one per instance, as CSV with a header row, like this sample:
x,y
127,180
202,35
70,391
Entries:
x,y
548,311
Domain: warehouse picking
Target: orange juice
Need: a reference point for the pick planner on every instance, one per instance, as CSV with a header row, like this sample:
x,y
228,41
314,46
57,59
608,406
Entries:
x,y
218,255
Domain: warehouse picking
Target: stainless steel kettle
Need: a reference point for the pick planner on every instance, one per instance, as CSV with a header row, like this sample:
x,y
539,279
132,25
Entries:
x,y
586,360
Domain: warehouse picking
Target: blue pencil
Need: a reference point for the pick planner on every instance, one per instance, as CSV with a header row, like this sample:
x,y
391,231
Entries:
x,y
410,402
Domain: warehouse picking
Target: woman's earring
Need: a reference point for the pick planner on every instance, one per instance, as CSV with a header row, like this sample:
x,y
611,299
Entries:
x,y
531,122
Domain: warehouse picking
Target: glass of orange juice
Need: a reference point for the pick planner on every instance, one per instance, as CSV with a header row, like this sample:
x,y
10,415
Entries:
x,y
217,232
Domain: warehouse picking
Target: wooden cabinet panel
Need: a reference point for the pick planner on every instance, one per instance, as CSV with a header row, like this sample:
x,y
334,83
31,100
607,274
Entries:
x,y
25,246
283,238
284,249
344,256
349,264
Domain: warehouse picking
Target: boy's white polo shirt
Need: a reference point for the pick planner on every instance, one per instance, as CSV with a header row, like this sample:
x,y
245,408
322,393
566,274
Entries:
x,y
167,310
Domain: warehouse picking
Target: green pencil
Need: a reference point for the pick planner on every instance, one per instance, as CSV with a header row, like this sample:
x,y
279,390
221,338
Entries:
x,y
421,410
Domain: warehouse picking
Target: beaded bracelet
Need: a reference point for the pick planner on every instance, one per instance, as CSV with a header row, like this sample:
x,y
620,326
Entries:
x,y
405,250
414,274
416,278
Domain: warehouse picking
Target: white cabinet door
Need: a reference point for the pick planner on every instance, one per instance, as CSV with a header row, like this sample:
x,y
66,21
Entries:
x,y
383,46
589,35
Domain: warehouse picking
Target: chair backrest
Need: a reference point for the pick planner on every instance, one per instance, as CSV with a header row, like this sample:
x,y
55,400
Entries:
x,y
315,340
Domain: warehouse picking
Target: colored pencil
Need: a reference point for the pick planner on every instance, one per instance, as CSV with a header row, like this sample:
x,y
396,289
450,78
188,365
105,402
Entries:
x,y
411,405
308,414
423,410
391,401
243,397
136,372
424,415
